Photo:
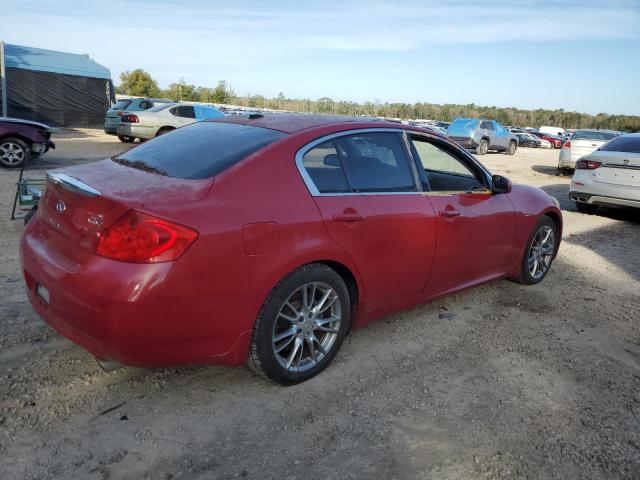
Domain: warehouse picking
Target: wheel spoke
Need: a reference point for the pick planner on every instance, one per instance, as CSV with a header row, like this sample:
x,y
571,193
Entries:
x,y
284,345
288,318
287,333
326,329
326,321
294,351
312,348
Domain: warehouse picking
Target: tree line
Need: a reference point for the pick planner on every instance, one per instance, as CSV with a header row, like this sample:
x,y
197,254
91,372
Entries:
x,y
140,83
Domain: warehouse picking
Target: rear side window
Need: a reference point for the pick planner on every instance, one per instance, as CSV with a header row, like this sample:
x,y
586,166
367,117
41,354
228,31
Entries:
x,y
122,104
323,165
200,150
627,144
361,163
185,111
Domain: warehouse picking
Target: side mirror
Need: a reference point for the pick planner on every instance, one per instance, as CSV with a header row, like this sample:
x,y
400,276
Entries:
x,y
500,184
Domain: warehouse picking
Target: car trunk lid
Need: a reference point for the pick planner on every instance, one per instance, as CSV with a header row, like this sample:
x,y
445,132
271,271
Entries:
x,y
618,168
580,148
80,202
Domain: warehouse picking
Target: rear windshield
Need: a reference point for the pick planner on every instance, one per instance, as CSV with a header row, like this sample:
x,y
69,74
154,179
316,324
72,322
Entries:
x,y
200,150
594,136
627,144
122,104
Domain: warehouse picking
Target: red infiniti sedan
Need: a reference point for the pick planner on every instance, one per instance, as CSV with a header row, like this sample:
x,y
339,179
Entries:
x,y
265,239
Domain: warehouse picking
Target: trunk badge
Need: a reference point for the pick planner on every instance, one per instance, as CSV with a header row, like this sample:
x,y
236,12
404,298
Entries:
x,y
60,206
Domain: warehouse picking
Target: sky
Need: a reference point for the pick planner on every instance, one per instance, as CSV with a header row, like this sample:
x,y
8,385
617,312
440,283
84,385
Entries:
x,y
577,55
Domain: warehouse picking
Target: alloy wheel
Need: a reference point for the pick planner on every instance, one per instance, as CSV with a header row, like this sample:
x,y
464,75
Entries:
x,y
307,326
11,154
541,252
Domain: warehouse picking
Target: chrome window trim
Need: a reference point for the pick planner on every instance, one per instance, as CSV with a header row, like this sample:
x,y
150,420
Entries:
x,y
308,146
72,184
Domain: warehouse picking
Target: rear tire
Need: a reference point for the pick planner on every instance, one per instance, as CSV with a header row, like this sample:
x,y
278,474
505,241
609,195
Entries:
x,y
482,148
511,149
586,207
539,252
126,138
14,152
291,343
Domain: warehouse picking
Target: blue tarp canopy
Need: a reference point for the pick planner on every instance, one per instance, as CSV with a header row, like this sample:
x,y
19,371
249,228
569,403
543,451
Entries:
x,y
41,60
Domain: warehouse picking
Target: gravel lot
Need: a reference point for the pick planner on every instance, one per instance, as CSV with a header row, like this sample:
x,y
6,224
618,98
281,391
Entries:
x,y
501,381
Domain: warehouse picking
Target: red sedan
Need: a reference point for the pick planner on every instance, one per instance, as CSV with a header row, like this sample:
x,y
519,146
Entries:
x,y
265,239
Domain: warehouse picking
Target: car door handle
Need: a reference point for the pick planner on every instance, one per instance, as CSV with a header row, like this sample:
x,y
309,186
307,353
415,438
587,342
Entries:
x,y
348,217
449,213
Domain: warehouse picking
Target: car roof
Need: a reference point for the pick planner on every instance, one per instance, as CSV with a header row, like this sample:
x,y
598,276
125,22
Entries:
x,y
295,122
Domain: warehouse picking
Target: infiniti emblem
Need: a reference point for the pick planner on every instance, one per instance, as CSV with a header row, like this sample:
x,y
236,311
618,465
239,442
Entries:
x,y
60,206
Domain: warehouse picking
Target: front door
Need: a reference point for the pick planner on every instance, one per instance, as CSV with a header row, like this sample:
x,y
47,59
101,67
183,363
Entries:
x,y
372,207
475,227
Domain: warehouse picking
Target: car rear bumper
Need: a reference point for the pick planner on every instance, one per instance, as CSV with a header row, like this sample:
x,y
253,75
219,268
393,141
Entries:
x,y
134,314
136,130
603,200
465,142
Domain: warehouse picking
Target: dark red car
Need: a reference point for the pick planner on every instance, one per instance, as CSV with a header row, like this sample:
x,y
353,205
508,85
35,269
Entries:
x,y
22,140
552,139
265,239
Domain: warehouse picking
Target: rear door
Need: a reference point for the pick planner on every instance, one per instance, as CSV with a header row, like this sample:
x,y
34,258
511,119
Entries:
x,y
490,132
371,204
475,227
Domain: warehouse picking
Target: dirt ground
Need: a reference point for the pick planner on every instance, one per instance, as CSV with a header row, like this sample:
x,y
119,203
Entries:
x,y
501,381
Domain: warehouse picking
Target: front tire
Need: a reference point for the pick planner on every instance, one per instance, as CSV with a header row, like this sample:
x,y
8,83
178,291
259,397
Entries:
x,y
539,252
14,152
301,325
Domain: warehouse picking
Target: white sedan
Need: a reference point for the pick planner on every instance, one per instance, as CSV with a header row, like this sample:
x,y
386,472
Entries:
x,y
162,119
609,176
582,143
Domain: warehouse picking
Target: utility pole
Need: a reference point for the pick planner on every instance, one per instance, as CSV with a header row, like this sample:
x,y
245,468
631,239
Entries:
x,y
3,81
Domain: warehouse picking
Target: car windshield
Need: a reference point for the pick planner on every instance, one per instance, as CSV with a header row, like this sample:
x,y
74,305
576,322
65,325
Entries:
x,y
462,127
595,135
121,104
625,143
162,106
200,150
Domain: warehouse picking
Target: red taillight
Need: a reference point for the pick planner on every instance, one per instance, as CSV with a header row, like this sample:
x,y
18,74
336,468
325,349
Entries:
x,y
587,165
566,144
130,118
141,238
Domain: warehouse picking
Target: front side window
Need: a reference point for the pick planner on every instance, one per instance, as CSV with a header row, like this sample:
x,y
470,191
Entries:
x,y
444,172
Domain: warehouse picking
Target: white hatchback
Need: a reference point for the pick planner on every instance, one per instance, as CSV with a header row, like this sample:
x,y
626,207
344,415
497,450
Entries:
x,y
609,176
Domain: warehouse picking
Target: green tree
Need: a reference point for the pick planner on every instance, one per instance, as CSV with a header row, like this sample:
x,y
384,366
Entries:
x,y
138,83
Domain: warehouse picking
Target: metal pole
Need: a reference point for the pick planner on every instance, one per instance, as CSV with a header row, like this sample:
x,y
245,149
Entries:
x,y
3,78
